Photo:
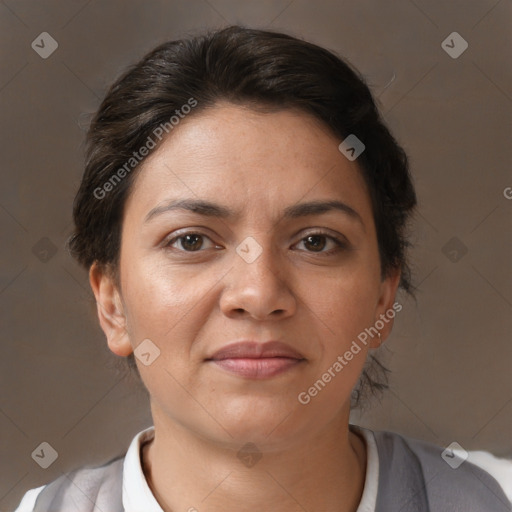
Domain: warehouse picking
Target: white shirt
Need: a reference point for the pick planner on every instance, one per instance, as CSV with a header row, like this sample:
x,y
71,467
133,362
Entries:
x,y
137,496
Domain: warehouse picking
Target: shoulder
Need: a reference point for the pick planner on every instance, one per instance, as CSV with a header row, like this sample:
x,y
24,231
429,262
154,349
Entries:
x,y
97,487
431,476
78,490
499,468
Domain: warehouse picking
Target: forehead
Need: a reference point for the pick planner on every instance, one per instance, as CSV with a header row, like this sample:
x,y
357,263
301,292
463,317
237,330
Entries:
x,y
251,160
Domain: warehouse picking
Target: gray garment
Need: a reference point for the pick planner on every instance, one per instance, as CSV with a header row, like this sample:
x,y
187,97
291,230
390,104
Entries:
x,y
412,478
97,489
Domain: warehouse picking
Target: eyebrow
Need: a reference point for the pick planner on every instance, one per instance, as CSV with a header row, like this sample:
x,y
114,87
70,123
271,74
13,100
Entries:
x,y
210,209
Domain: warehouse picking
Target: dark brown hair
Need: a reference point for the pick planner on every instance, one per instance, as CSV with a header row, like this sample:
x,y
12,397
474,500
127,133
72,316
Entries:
x,y
254,68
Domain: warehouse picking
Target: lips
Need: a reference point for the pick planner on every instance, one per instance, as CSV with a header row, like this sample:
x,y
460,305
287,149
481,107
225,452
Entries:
x,y
254,350
253,360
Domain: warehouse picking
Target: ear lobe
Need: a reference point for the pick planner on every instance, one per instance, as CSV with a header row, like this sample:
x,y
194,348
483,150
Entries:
x,y
110,310
385,312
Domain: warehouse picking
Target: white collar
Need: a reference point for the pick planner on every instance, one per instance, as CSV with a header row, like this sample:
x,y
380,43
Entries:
x,y
137,496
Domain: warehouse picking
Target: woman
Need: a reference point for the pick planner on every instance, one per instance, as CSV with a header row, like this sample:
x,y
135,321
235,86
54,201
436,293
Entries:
x,y
243,218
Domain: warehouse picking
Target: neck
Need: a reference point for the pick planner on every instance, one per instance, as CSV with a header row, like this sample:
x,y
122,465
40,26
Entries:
x,y
186,472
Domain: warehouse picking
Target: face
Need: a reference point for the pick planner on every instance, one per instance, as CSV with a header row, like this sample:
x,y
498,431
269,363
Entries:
x,y
259,266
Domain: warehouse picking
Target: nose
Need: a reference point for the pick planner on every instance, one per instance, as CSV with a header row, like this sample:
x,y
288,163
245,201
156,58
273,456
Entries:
x,y
259,289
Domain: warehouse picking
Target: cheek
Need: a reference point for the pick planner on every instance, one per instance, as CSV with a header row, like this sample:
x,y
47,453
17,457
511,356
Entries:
x,y
342,312
347,301
166,305
153,288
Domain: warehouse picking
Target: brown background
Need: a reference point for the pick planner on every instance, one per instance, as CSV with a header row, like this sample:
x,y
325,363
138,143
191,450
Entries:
x,y
450,353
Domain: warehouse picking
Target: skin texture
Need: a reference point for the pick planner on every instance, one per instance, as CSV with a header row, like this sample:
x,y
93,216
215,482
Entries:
x,y
190,304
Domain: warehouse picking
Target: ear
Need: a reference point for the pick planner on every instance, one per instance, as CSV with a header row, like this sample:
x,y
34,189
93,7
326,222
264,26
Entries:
x,y
110,310
386,308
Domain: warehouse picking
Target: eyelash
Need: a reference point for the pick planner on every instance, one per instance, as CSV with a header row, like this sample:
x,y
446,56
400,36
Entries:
x,y
340,244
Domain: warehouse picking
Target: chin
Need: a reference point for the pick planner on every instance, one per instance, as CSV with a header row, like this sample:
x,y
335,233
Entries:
x,y
262,421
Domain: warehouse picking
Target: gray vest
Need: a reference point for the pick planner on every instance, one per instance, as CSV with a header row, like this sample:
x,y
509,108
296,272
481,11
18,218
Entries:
x,y
412,478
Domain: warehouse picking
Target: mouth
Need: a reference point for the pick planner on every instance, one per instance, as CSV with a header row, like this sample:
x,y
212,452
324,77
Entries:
x,y
255,360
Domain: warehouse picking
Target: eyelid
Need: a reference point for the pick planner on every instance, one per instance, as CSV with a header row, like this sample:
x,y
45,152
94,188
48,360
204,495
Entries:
x,y
327,233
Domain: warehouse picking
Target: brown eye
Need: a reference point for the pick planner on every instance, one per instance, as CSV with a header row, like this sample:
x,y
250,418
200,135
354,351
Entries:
x,y
190,242
316,242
